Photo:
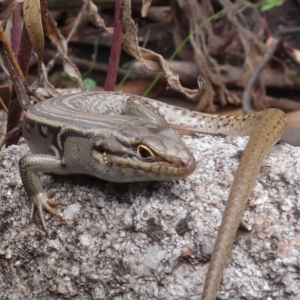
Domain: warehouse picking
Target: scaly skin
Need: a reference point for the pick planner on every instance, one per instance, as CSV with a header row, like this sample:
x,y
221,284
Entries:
x,y
265,129
271,127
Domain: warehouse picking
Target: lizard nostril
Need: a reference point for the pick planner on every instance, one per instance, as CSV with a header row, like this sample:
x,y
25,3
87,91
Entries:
x,y
182,164
187,166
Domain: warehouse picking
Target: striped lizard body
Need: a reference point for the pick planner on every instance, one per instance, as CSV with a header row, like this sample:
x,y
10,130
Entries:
x,y
121,138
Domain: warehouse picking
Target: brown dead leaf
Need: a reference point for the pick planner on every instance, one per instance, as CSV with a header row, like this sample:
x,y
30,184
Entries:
x,y
95,17
33,23
152,61
11,65
59,41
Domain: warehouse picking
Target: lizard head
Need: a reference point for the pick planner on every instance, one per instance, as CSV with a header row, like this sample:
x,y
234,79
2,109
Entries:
x,y
139,150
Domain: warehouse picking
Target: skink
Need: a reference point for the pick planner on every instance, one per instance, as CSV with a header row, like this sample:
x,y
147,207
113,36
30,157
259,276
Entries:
x,y
125,138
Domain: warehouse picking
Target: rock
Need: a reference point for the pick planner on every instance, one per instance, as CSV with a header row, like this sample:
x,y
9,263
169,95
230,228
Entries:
x,y
153,240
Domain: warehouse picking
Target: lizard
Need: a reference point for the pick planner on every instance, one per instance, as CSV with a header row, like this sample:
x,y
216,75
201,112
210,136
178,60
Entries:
x,y
125,138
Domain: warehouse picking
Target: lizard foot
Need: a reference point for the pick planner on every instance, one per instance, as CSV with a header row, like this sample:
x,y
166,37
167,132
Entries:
x,y
41,202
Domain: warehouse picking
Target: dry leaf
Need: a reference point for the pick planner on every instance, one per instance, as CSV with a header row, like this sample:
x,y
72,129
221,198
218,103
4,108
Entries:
x,y
58,40
95,17
152,61
10,64
33,23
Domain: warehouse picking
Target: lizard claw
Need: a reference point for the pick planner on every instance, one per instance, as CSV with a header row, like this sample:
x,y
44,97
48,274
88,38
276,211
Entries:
x,y
41,202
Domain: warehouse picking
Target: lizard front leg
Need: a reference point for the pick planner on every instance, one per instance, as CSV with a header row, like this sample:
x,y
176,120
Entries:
x,y
39,198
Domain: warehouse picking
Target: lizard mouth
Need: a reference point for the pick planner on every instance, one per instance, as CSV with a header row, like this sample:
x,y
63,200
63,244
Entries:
x,y
135,170
177,168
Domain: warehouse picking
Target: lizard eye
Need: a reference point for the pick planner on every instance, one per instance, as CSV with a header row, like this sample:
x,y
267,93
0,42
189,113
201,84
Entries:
x,y
144,152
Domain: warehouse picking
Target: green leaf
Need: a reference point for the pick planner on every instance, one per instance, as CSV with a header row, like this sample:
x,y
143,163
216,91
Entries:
x,y
89,83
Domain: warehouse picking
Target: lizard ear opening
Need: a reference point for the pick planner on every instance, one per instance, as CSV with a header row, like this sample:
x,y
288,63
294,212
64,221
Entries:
x,y
144,152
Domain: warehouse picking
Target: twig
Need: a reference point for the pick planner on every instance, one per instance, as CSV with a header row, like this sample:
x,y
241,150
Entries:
x,y
51,63
14,70
14,132
246,100
3,105
292,57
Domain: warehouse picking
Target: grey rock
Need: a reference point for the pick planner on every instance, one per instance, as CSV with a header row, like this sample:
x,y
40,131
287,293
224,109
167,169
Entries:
x,y
153,240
